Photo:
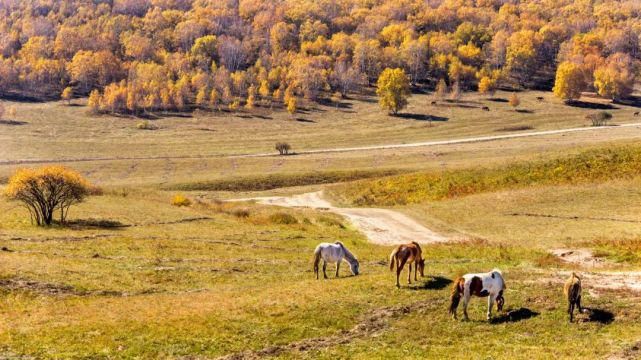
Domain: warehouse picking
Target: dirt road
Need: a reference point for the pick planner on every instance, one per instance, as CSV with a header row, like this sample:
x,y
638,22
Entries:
x,y
381,226
332,150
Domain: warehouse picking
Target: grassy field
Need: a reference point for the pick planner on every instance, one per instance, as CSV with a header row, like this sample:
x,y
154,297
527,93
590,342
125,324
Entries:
x,y
134,277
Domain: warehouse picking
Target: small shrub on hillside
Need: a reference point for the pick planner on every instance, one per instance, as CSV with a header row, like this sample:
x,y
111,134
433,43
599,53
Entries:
x,y
599,119
328,221
146,125
283,148
282,219
240,213
180,200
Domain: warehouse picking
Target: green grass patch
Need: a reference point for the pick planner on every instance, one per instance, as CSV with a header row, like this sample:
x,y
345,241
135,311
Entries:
x,y
275,181
587,166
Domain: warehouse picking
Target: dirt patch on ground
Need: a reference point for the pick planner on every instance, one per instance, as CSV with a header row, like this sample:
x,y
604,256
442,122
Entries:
x,y
583,257
381,226
41,288
372,324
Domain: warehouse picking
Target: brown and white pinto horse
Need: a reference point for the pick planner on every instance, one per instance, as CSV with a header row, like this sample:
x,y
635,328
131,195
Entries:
x,y
489,284
407,253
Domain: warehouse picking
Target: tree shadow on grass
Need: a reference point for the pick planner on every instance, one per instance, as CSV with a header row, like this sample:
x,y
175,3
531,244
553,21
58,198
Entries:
x,y
514,316
305,120
435,283
501,100
13,122
591,105
421,117
524,111
81,224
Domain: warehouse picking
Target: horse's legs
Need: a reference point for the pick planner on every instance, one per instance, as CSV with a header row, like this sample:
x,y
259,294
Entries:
x,y
466,300
571,310
399,267
490,304
324,269
578,304
409,274
338,265
415,271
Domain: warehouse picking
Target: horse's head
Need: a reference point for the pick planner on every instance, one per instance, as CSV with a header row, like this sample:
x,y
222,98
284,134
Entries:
x,y
421,267
353,266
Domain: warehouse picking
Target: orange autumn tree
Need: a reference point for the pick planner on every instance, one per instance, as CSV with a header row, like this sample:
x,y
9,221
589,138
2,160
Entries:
x,y
46,190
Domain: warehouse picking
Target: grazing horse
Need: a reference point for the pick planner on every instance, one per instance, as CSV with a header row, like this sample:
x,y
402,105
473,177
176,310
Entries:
x,y
407,253
334,253
489,284
572,291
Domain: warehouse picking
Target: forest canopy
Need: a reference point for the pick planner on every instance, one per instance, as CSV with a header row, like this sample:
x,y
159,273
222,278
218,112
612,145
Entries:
x,y
137,55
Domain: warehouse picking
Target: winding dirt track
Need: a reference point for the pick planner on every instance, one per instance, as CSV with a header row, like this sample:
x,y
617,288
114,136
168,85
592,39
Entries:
x,y
332,150
381,226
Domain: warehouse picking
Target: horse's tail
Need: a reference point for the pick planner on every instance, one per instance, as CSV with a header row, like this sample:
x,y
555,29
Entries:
x,y
392,259
317,258
455,297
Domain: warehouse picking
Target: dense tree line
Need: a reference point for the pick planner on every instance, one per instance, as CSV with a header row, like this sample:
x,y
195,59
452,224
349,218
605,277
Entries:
x,y
137,55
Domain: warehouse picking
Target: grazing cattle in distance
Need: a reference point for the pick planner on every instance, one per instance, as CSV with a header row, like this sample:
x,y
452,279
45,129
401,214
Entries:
x,y
433,103
489,284
539,98
485,108
572,291
407,254
636,113
334,253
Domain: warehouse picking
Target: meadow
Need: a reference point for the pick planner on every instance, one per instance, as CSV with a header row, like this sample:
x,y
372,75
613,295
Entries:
x,y
133,276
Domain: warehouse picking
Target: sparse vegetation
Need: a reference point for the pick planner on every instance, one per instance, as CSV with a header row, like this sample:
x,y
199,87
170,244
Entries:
x,y
283,148
593,165
180,200
268,182
281,218
600,118
146,125
46,190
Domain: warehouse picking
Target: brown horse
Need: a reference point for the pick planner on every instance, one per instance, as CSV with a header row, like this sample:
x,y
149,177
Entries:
x,y
407,253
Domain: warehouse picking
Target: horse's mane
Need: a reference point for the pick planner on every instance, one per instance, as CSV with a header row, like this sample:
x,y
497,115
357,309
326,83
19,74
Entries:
x,y
348,255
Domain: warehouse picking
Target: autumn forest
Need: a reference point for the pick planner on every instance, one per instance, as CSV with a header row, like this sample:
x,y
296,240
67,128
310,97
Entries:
x,y
142,55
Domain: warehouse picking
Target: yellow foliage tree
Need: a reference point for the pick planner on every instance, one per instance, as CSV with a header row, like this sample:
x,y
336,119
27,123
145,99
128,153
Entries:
x,y
514,100
569,82
67,94
46,190
487,85
94,101
393,89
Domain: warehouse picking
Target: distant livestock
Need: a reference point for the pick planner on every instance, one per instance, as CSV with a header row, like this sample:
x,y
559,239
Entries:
x,y
539,98
572,291
433,103
407,254
334,253
489,284
485,108
636,113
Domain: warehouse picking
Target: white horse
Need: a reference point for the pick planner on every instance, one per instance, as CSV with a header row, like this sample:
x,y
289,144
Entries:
x,y
334,253
489,284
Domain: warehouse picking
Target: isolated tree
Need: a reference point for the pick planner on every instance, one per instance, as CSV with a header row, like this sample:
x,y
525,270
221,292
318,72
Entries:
x,y
441,90
455,93
11,112
67,94
214,99
292,105
570,81
393,89
283,148
46,190
487,85
250,102
94,101
514,100
336,98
